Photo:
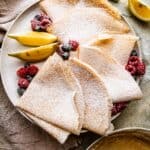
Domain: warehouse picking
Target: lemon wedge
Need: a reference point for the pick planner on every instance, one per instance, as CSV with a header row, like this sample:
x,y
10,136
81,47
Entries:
x,y
139,9
34,38
36,54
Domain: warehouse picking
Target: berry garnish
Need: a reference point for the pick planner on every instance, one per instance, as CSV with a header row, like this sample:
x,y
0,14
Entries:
x,y
118,107
74,45
131,69
23,83
22,72
26,65
29,78
40,22
135,66
26,75
32,70
20,91
134,53
141,69
65,55
134,61
66,47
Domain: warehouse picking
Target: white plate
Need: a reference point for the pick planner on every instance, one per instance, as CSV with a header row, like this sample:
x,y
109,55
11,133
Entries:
x,y
9,65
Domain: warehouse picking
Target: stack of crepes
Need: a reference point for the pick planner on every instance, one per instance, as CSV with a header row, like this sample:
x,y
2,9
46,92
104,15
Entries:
x,y
68,96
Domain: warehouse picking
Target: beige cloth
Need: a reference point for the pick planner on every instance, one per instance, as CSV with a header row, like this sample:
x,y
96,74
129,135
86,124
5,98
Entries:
x,y
17,133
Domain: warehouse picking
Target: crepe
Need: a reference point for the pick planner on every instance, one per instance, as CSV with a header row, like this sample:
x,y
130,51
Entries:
x,y
119,46
55,96
84,23
120,84
58,133
98,104
57,9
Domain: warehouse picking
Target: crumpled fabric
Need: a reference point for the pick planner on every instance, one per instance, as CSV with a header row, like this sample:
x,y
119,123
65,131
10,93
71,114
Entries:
x,y
17,133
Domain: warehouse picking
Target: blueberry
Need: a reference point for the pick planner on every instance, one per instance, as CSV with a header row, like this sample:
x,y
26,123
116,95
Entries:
x,y
37,17
27,64
134,53
65,55
29,78
20,91
66,48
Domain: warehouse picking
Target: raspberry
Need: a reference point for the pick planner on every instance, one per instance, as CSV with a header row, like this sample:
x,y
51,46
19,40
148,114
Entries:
x,y
35,25
23,83
22,72
74,45
121,106
114,110
131,69
32,70
141,68
134,61
118,107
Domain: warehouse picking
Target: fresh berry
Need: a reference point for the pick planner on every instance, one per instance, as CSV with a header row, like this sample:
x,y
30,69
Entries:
x,y
37,17
23,83
134,61
118,107
74,45
134,53
20,91
45,22
29,78
114,110
131,69
32,70
26,65
40,22
65,55
35,25
66,47
121,106
140,69
22,72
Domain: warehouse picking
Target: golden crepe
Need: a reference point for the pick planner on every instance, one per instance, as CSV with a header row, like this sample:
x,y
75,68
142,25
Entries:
x,y
55,96
58,133
120,84
98,104
84,23
119,46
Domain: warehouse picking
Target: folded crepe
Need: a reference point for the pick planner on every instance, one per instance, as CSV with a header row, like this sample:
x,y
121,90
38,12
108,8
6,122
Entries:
x,y
98,104
55,96
84,23
120,84
59,134
119,46
57,9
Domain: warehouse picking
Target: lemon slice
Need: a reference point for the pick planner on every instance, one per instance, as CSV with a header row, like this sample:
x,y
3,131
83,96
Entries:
x,y
36,54
139,9
34,38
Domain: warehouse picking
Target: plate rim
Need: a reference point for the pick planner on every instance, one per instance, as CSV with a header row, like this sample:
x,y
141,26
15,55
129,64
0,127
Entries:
x,y
138,43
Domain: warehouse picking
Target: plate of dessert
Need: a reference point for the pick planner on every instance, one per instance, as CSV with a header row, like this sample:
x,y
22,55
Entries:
x,y
70,66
